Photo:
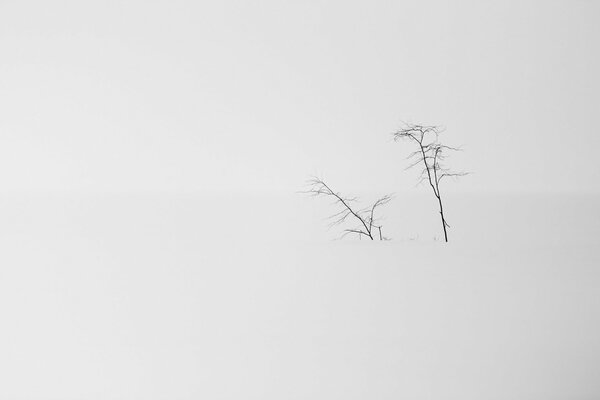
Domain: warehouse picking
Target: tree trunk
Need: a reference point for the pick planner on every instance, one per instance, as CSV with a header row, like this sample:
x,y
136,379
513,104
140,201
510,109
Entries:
x,y
443,219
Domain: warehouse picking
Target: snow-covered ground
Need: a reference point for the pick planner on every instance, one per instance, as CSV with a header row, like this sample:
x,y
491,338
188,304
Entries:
x,y
242,297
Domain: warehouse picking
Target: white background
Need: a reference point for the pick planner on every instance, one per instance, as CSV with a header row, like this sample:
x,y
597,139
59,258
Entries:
x,y
153,244
254,95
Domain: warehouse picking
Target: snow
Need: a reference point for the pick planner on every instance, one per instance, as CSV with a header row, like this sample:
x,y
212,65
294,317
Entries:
x,y
249,297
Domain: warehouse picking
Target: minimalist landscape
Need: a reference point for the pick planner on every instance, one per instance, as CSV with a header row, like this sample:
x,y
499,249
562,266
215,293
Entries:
x,y
299,200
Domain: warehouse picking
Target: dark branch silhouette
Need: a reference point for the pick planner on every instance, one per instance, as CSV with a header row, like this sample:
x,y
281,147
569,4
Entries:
x,y
367,223
431,154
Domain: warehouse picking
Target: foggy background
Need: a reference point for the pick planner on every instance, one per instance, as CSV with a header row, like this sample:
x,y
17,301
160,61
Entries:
x,y
153,243
240,96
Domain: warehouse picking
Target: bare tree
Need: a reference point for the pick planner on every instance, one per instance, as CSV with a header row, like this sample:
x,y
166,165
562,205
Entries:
x,y
366,222
430,154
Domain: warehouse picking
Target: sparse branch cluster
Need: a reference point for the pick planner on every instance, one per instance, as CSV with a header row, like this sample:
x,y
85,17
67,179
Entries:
x,y
366,223
429,155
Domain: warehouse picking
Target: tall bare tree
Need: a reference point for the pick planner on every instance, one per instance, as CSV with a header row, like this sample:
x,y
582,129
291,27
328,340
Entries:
x,y
366,223
430,154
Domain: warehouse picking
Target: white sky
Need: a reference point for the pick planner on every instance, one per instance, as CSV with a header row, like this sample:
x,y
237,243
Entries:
x,y
256,95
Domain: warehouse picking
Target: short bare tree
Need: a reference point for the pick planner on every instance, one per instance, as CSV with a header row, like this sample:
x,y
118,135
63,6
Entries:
x,y
366,223
430,154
